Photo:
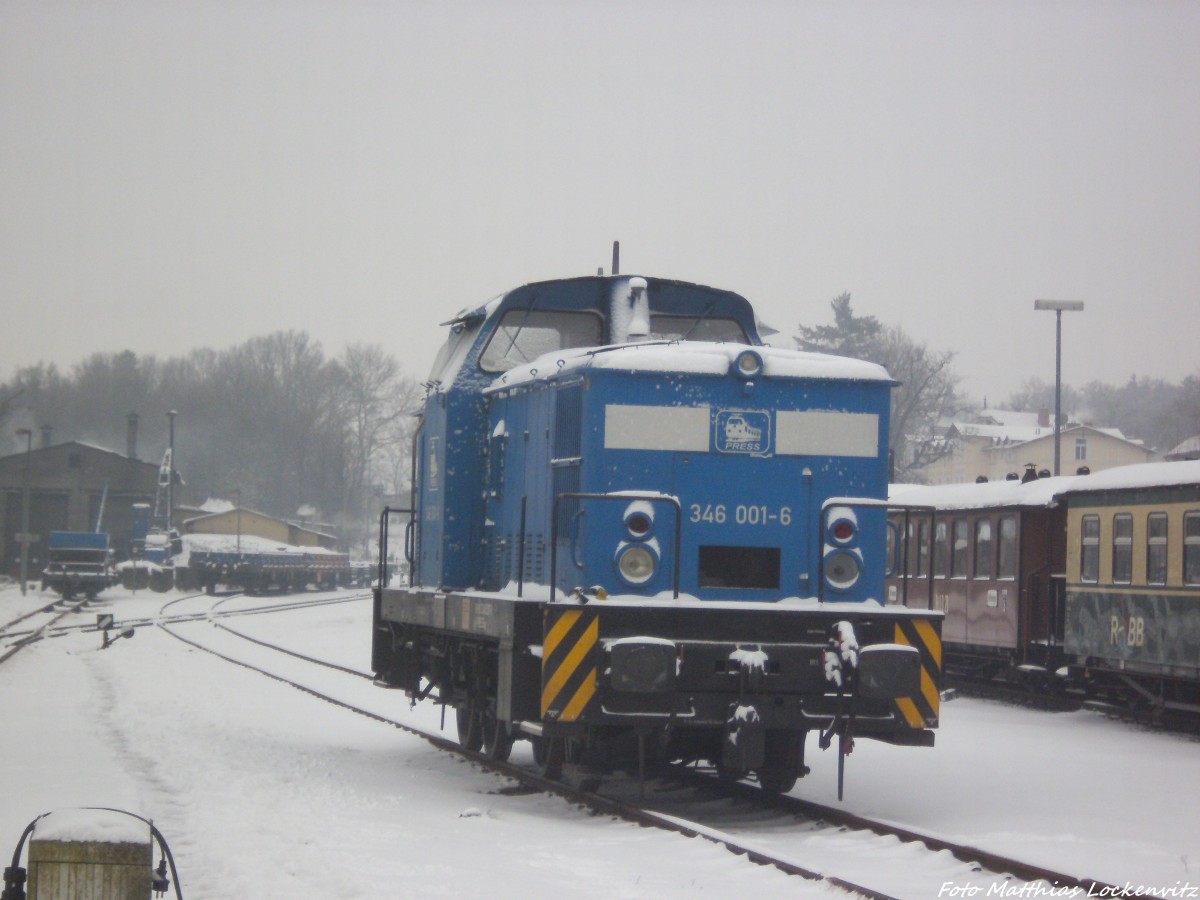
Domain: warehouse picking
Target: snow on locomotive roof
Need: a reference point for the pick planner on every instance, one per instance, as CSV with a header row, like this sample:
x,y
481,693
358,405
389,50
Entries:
x,y
694,358
1142,475
1040,492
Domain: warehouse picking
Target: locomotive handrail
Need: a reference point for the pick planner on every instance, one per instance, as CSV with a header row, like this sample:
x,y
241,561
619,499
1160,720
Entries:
x,y
385,517
410,543
521,549
626,496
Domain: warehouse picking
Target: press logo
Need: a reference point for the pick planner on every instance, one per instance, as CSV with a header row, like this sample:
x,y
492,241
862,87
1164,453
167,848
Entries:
x,y
742,431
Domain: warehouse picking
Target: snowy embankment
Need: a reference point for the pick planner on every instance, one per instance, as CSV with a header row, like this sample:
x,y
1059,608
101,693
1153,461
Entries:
x,y
263,791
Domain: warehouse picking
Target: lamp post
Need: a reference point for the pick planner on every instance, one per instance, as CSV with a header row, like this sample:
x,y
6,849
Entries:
x,y
171,414
237,499
28,434
1059,306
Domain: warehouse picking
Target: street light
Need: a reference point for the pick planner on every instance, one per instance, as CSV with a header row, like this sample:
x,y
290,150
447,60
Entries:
x,y
1059,306
171,414
24,537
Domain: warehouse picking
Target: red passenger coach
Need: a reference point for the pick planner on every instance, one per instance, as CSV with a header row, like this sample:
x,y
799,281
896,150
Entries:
x,y
998,567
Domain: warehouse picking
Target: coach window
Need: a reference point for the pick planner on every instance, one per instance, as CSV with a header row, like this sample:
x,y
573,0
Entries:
x,y
1156,548
1122,549
1008,547
1191,548
941,549
958,551
983,548
922,549
1089,550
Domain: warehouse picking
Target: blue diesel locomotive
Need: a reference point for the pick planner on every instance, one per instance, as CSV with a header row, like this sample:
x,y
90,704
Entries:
x,y
640,534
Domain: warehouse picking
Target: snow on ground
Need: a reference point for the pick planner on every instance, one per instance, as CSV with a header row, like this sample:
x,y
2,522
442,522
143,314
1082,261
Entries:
x,y
265,792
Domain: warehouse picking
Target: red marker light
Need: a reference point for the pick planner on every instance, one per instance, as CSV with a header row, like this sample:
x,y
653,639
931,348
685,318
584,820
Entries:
x,y
843,530
638,524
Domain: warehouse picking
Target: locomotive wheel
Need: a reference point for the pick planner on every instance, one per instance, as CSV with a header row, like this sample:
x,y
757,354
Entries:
x,y
784,762
497,742
776,780
470,727
549,755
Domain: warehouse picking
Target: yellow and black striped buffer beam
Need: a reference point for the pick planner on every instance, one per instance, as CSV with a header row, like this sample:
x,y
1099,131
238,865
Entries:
x,y
921,710
570,662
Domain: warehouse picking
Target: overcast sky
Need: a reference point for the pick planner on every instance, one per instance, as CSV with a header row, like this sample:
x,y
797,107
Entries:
x,y
184,174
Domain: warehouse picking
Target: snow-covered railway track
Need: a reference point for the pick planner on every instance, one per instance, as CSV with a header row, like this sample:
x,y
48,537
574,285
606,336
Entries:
x,y
743,819
1181,721
694,785
52,629
523,776
36,625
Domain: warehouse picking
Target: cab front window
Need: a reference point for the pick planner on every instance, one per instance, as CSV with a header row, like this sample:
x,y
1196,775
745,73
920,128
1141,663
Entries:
x,y
525,334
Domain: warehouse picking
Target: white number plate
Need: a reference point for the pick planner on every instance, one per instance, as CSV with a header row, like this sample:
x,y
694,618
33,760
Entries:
x,y
740,514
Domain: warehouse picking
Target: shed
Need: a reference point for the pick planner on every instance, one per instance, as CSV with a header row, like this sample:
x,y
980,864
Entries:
x,y
73,486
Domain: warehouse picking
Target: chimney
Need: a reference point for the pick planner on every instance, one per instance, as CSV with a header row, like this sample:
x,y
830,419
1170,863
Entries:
x,y
47,431
131,436
1043,418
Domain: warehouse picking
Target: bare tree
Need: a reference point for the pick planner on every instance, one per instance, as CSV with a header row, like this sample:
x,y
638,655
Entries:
x,y
372,394
927,394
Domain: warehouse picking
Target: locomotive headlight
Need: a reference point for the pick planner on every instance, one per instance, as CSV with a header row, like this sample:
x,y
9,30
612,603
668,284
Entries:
x,y
842,569
636,563
748,364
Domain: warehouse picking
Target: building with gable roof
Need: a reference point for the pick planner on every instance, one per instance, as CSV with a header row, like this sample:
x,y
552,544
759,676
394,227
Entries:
x,y
1000,442
73,486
